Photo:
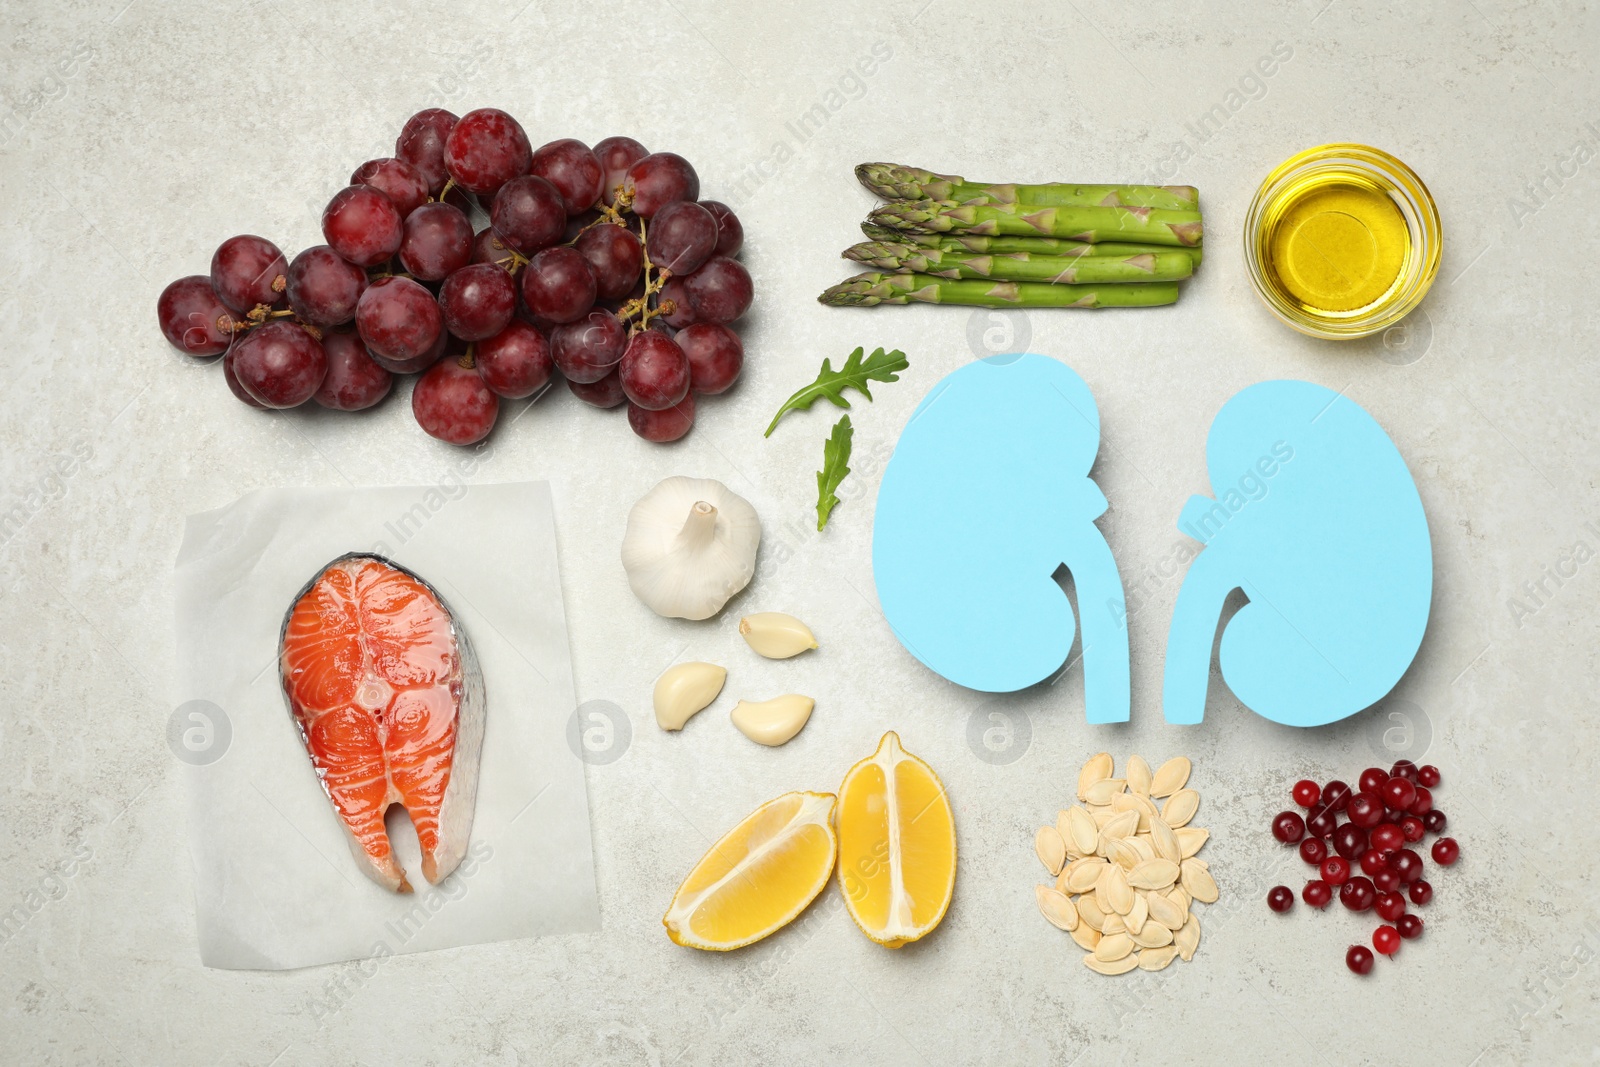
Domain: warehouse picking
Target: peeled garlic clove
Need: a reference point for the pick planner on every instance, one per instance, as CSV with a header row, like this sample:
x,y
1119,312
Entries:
x,y
685,689
776,635
772,722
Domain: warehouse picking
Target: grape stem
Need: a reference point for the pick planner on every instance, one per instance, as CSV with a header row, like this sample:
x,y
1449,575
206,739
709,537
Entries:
x,y
641,306
468,358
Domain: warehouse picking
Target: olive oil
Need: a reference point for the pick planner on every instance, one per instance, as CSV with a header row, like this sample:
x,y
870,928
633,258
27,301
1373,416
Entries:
x,y
1342,241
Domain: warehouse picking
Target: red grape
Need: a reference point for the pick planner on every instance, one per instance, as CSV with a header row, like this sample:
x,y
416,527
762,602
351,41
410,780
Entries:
x,y
557,285
573,169
280,364
605,393
233,382
400,323
528,214
402,183
477,301
515,362
486,148
730,232
616,155
324,287
488,248
589,349
659,179
720,291
354,380
682,236
715,356
675,295
248,270
614,256
362,225
655,372
437,242
451,403
421,144
193,319
666,425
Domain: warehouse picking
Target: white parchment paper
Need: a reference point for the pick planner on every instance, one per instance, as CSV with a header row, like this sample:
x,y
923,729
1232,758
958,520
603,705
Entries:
x,y
275,884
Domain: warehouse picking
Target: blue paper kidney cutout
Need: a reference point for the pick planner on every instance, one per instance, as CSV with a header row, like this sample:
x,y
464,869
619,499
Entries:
x,y
1318,522
986,496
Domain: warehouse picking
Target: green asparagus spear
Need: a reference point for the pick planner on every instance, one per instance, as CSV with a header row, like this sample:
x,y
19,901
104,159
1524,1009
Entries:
x,y
1092,224
870,290
1165,266
894,182
1044,246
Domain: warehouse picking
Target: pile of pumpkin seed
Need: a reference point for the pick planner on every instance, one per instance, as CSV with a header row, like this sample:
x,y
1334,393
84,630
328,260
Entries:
x,y
1126,875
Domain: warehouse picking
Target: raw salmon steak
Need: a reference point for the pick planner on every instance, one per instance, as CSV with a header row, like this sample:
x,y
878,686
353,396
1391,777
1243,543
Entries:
x,y
387,694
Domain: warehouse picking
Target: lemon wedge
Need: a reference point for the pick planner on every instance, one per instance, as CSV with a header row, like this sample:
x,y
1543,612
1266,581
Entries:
x,y
897,845
758,877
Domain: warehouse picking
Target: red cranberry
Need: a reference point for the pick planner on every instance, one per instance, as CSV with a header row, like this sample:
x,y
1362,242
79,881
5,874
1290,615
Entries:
x,y
1366,810
1428,775
1386,837
1407,864
1404,768
1316,893
1288,827
1390,906
1410,926
1387,881
1349,841
1335,870
1434,821
1386,939
1359,959
1420,892
1306,792
1322,822
1412,829
1358,894
1423,802
1446,851
1372,862
1372,780
1336,795
1398,793
1313,851
1280,898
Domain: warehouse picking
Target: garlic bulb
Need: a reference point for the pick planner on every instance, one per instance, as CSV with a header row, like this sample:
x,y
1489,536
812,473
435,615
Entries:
x,y
690,546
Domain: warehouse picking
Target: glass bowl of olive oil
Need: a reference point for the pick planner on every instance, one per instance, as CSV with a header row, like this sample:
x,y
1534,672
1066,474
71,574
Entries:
x,y
1342,241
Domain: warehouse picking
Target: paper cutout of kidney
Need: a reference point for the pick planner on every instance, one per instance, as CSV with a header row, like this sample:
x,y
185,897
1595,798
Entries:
x,y
1318,522
987,495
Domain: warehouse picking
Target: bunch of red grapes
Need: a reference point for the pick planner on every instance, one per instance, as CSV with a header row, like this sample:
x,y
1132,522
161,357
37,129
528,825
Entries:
x,y
601,263
1390,811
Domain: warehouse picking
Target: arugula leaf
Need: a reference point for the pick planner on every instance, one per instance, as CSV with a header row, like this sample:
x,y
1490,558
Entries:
x,y
835,460
881,366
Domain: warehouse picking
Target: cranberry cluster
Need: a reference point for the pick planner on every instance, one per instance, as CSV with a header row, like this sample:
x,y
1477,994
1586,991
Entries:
x,y
1389,811
602,263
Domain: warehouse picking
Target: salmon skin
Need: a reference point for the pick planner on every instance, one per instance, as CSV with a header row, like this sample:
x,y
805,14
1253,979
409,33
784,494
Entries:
x,y
389,700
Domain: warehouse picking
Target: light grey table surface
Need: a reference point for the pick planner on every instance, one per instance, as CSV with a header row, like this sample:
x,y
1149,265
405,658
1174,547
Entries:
x,y
136,136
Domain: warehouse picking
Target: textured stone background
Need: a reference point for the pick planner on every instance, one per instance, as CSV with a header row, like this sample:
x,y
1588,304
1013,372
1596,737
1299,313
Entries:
x,y
138,135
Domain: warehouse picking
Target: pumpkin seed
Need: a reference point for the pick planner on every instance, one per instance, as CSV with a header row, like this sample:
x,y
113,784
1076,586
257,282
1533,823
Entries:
x,y
1154,874
1155,959
1086,936
1113,947
1190,839
1102,791
1164,911
1197,881
1121,966
1142,845
1164,840
1050,848
1123,824
1084,873
1179,896
1135,919
1139,776
1090,912
1125,855
1180,808
1115,924
1085,835
1119,894
1187,939
1098,768
1056,908
1170,777
1154,935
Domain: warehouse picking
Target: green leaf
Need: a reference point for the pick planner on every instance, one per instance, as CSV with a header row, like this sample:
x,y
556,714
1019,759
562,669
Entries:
x,y
881,366
835,465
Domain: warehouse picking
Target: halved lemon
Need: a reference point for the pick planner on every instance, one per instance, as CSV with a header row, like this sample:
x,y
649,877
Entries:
x,y
759,877
897,845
